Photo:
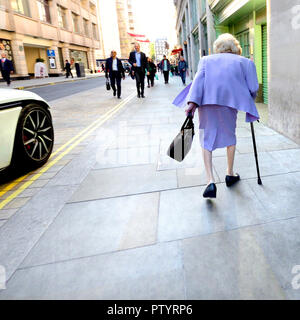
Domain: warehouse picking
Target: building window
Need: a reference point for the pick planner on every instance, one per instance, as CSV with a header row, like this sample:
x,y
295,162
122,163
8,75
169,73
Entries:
x,y
21,6
75,22
95,33
3,4
44,10
86,27
243,38
194,12
62,17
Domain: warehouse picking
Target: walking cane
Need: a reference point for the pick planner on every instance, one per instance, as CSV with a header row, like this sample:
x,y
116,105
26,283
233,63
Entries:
x,y
255,153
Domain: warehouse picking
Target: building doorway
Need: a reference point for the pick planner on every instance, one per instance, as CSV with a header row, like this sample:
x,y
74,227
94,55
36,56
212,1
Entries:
x,y
31,54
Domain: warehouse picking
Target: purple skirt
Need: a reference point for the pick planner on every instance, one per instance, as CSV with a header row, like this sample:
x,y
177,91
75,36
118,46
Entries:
x,y
217,126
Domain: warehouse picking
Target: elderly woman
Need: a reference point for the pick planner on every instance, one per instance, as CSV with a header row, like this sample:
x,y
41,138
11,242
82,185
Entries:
x,y
225,83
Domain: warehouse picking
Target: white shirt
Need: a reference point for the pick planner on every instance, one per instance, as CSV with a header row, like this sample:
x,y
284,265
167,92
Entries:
x,y
115,65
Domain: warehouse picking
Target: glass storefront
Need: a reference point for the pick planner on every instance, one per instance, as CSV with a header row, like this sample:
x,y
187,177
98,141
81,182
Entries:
x,y
80,56
6,45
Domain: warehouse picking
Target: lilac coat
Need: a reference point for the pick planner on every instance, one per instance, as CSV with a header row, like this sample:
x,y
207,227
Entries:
x,y
223,79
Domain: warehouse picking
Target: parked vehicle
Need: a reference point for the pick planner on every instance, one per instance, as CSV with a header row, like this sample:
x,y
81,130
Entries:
x,y
26,129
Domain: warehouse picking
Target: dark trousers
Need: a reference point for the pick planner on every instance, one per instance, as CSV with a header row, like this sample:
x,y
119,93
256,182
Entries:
x,y
116,78
150,79
166,76
140,80
68,73
183,75
6,76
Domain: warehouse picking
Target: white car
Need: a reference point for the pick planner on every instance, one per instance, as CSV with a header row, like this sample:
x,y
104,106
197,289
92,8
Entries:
x,y
26,129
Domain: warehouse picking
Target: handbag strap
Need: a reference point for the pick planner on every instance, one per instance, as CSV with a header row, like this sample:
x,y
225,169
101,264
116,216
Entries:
x,y
188,123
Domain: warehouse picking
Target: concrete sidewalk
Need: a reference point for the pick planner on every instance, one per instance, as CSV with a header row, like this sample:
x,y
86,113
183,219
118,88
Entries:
x,y
124,221
40,82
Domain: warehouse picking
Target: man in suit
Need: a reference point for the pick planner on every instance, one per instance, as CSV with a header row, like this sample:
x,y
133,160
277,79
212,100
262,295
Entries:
x,y
139,64
114,69
165,66
68,69
6,68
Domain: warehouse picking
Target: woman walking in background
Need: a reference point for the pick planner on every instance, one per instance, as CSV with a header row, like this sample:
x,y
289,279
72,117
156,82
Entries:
x,y
225,83
152,72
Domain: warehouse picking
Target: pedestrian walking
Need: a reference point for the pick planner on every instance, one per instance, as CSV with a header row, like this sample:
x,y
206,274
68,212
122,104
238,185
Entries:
x,y
182,68
6,68
68,69
152,72
224,84
158,66
140,66
165,67
176,70
115,71
172,70
103,67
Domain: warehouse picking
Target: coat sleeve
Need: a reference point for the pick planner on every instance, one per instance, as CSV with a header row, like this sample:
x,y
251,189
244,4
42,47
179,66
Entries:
x,y
197,89
122,69
251,78
131,60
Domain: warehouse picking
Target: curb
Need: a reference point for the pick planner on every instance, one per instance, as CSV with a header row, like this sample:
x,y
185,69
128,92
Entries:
x,y
54,83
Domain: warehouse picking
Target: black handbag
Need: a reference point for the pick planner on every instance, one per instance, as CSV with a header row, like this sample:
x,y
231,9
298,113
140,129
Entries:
x,y
182,143
107,84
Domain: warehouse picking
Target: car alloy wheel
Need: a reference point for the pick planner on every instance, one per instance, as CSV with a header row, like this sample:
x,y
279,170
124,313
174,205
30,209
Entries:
x,y
37,134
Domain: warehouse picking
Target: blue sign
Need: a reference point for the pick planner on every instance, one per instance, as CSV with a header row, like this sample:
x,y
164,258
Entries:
x,y
50,53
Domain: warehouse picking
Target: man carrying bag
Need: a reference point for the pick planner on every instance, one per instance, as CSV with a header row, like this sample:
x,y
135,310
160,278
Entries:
x,y
115,71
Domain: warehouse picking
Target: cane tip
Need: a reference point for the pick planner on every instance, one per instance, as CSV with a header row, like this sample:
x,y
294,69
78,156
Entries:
x,y
259,181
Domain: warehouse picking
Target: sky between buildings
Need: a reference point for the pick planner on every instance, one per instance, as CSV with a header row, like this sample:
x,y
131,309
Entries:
x,y
156,19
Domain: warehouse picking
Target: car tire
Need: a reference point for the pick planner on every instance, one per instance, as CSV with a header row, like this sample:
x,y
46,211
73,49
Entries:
x,y
34,137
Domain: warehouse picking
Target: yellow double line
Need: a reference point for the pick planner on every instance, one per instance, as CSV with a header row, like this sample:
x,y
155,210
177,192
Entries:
x,y
70,145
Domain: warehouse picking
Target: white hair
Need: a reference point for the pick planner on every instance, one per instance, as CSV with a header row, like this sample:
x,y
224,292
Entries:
x,y
226,42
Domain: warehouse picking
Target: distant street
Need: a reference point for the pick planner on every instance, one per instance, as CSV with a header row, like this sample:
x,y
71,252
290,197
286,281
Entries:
x,y
65,89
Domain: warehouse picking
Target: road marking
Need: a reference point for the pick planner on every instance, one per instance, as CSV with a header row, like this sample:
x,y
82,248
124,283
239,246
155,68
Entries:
x,y
14,183
82,135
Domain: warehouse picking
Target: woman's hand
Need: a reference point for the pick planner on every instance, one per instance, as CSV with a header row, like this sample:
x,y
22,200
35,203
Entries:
x,y
191,108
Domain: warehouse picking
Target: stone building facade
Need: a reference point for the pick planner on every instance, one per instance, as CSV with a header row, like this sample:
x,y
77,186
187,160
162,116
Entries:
x,y
63,29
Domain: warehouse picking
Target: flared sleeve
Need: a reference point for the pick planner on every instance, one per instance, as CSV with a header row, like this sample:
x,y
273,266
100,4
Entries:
x,y
251,78
196,92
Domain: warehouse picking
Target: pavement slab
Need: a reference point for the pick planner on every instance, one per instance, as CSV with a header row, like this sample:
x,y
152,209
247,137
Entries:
x,y
224,268
106,183
185,213
95,227
244,164
24,228
142,273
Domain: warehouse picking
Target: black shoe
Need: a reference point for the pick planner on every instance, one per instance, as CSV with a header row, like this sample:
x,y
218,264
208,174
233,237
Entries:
x,y
210,191
138,95
119,97
231,180
143,95
115,93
